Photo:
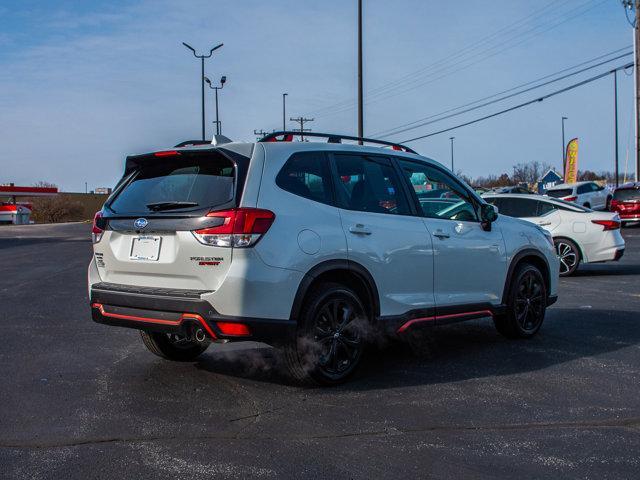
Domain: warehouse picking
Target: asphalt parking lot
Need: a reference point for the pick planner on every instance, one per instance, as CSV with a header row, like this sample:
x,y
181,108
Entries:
x,y
82,400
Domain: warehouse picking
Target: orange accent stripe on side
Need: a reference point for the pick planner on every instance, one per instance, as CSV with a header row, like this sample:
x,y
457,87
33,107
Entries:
x,y
160,321
404,326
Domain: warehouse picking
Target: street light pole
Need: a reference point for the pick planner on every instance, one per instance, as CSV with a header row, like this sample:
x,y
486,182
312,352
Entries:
x,y
451,138
284,112
202,57
564,148
223,80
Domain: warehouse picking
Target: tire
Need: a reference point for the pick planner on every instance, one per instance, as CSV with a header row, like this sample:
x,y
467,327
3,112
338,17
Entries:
x,y
526,304
568,254
608,203
587,205
330,338
173,347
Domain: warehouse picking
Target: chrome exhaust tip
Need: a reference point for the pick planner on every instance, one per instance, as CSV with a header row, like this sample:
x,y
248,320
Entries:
x,y
200,335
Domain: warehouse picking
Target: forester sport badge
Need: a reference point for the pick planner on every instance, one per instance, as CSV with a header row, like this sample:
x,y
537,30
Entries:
x,y
140,223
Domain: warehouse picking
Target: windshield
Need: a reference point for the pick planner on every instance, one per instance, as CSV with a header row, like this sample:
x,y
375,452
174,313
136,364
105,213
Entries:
x,y
177,184
560,192
626,194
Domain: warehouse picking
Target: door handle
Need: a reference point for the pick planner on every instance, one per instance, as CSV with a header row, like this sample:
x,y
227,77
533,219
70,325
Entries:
x,y
359,229
543,224
441,234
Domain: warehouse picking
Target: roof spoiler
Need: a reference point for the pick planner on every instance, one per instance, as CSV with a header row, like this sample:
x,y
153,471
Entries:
x,y
216,140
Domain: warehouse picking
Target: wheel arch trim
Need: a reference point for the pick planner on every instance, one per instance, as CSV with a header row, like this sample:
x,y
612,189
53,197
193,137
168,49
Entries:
x,y
335,265
516,260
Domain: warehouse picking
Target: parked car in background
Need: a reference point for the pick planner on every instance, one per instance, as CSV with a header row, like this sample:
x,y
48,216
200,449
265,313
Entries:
x,y
587,194
626,202
511,189
579,234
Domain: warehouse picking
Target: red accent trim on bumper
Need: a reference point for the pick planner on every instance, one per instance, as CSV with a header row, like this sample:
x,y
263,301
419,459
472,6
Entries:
x,y
160,321
406,325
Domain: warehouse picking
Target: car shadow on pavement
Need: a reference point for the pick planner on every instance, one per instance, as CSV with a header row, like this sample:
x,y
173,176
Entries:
x,y
608,269
456,352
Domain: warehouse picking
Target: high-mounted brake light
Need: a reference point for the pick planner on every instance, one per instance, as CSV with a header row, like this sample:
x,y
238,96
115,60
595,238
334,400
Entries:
x,y
168,153
607,224
240,227
96,231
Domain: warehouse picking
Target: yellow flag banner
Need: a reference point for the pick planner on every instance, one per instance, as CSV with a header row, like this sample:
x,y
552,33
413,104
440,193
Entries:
x,y
571,168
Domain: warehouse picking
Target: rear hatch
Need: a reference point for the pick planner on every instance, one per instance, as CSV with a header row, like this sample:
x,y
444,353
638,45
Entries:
x,y
626,201
150,220
560,192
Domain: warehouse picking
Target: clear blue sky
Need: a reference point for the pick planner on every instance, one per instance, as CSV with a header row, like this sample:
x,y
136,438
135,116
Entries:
x,y
82,84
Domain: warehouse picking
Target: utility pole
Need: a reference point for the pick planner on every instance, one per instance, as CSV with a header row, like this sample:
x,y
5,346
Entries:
x,y
202,57
301,121
284,112
360,93
260,133
564,148
615,116
452,138
636,44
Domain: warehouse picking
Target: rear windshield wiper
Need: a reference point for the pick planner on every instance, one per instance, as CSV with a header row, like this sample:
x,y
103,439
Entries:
x,y
156,207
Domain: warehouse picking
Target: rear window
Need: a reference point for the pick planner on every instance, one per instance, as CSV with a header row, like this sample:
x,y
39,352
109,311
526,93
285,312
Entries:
x,y
560,192
626,194
180,183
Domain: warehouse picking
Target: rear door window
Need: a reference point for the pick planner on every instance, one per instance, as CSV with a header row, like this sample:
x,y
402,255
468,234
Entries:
x,y
369,184
307,174
518,207
560,192
178,183
545,208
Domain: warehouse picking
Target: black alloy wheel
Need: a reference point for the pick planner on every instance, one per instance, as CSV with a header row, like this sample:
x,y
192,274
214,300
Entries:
x,y
331,336
526,304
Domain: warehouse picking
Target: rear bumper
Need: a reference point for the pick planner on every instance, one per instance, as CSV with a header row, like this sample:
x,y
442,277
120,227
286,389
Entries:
x,y
174,314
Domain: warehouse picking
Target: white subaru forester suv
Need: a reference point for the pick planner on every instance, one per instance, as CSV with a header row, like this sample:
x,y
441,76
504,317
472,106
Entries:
x,y
313,247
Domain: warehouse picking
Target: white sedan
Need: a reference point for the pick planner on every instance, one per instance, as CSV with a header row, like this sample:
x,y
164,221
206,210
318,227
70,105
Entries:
x,y
579,234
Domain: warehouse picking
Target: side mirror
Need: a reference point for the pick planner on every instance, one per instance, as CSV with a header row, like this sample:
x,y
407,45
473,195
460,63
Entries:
x,y
488,215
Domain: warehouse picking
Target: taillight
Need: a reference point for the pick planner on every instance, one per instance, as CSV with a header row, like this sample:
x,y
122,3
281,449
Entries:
x,y
240,227
607,224
570,199
96,231
234,329
614,203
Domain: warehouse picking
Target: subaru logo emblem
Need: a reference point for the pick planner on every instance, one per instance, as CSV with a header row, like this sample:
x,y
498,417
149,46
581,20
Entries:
x,y
140,223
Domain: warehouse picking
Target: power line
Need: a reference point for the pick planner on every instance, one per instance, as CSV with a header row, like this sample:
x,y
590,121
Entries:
x,y
462,52
416,124
474,59
521,105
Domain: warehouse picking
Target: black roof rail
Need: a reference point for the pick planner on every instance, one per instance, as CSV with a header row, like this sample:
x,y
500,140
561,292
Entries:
x,y
192,143
287,136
